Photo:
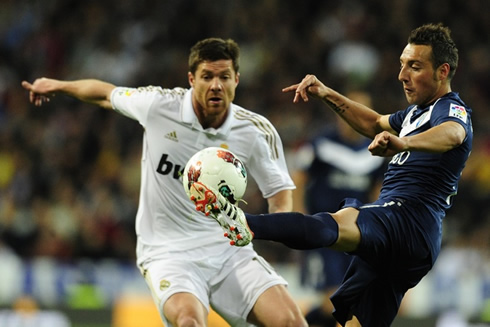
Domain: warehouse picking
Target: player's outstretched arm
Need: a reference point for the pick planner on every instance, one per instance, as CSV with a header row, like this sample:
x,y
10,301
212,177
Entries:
x,y
363,119
90,90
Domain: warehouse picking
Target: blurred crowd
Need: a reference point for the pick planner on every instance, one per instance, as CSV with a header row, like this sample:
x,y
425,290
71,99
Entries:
x,y
69,172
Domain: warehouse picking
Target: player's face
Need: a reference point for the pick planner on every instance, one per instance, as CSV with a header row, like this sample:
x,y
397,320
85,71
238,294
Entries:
x,y
214,84
420,81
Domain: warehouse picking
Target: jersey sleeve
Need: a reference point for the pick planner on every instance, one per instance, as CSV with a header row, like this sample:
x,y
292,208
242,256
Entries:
x,y
450,110
134,103
268,165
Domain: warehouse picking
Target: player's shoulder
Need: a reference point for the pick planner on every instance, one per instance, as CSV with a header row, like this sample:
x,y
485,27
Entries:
x,y
249,117
145,91
257,127
451,105
451,99
167,92
252,123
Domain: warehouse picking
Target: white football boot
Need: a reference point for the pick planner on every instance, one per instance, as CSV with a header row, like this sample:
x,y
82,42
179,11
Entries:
x,y
230,217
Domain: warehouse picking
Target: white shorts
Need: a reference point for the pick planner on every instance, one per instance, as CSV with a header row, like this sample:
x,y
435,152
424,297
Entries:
x,y
230,284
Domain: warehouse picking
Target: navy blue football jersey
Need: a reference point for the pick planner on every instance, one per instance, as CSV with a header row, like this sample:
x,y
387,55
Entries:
x,y
431,178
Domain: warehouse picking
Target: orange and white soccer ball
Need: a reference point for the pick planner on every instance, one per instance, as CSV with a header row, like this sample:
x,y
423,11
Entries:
x,y
219,169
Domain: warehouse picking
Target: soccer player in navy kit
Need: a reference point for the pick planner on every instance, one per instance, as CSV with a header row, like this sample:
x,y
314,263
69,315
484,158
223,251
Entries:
x,y
396,239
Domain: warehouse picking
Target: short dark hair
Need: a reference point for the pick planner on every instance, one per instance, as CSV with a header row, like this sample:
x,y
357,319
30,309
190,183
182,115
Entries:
x,y
213,49
443,47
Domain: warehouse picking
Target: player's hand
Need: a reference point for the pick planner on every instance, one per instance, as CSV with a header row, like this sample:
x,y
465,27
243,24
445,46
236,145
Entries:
x,y
310,85
40,91
386,144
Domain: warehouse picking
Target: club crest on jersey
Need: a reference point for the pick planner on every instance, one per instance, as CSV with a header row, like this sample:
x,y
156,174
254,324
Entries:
x,y
458,112
164,284
126,92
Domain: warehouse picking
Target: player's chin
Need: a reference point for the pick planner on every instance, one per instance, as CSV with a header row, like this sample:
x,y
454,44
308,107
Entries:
x,y
411,98
213,107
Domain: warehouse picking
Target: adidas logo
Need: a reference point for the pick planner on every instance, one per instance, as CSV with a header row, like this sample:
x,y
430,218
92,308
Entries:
x,y
172,136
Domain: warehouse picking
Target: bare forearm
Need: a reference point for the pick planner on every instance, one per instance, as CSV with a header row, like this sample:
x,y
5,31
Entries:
x,y
89,90
438,139
363,119
281,202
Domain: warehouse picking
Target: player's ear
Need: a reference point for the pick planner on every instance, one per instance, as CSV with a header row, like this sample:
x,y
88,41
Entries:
x,y
237,78
443,71
190,77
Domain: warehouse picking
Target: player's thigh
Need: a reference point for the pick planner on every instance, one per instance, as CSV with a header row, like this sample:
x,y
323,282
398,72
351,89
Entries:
x,y
182,307
275,307
349,233
179,279
353,322
245,277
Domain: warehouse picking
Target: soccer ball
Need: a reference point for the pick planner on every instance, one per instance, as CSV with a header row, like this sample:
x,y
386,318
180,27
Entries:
x,y
219,169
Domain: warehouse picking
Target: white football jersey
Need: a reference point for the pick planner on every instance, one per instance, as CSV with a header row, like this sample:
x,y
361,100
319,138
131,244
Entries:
x,y
167,220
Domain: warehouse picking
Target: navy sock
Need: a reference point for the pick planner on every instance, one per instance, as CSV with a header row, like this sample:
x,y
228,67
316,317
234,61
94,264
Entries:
x,y
295,230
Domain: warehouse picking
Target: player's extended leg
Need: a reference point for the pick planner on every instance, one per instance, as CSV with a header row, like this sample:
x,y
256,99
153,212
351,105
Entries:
x,y
296,230
338,231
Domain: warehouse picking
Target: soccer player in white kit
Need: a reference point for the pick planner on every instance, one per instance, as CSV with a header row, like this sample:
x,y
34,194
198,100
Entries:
x,y
187,268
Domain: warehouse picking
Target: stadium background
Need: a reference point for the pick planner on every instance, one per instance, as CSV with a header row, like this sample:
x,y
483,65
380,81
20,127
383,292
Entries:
x,y
69,172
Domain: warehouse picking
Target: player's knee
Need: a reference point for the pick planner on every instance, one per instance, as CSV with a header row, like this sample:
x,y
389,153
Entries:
x,y
299,321
291,319
187,321
286,317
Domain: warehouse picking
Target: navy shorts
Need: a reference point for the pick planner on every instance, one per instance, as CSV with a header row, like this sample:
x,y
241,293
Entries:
x,y
392,257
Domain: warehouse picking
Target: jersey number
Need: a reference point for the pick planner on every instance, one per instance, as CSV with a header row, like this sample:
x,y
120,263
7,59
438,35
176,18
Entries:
x,y
400,158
